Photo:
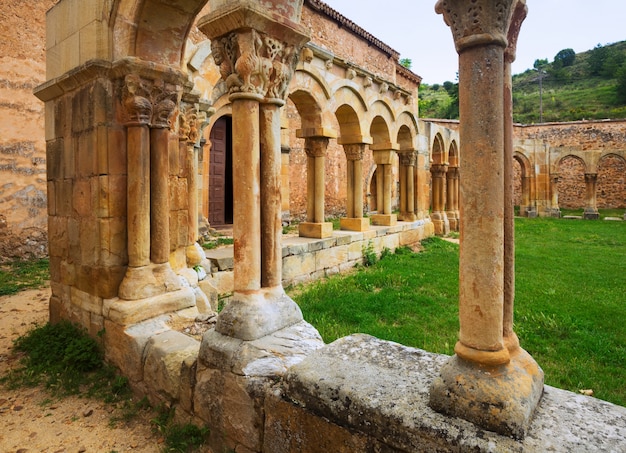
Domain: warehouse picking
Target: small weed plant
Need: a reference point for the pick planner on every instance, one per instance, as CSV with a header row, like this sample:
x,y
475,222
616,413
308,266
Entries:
x,y
179,438
216,242
19,275
369,255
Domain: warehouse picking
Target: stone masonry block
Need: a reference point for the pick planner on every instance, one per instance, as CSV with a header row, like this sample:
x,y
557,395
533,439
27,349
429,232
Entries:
x,y
164,357
116,154
295,265
328,258
87,153
82,198
58,238
86,301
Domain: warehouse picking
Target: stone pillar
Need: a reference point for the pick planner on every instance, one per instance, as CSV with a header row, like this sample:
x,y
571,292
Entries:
x,y
591,209
407,185
452,198
354,220
438,216
484,382
148,103
257,69
315,227
192,122
271,200
555,211
384,184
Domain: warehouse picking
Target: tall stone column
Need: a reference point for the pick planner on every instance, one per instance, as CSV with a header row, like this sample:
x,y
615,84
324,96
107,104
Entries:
x,y
257,69
452,198
591,209
192,122
315,227
438,216
271,200
149,107
555,211
484,382
384,185
407,185
354,220
510,338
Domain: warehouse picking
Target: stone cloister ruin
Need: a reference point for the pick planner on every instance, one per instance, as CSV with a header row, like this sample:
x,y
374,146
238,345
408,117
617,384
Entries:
x,y
127,101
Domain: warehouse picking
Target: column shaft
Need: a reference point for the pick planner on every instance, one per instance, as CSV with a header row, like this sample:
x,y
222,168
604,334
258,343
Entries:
x,y
160,197
319,189
387,189
246,195
350,193
358,189
310,188
271,201
138,198
410,189
404,208
482,213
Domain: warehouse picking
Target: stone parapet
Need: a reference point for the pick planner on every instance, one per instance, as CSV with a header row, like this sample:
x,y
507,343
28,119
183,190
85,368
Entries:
x,y
308,259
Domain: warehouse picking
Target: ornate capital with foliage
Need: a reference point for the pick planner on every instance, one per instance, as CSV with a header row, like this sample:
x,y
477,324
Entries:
x,y
476,22
149,102
354,151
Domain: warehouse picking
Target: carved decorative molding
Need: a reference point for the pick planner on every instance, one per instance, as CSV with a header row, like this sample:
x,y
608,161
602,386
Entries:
x,y
476,22
254,62
315,146
408,158
148,102
354,151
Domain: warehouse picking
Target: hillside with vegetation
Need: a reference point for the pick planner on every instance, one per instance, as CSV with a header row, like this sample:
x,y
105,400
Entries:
x,y
572,87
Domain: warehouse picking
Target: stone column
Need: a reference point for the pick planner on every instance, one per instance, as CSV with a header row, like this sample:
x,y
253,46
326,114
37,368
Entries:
x,y
256,68
384,184
452,198
438,216
555,211
354,220
315,227
407,186
271,200
591,209
192,122
483,382
148,103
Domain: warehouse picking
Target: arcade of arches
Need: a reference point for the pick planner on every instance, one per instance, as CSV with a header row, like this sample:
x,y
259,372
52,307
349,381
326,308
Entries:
x,y
304,130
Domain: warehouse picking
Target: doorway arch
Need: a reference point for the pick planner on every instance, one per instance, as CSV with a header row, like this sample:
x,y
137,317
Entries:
x,y
220,185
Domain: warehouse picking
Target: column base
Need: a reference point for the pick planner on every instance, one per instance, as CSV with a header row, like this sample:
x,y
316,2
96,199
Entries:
x,y
530,212
354,223
407,217
256,314
441,223
148,281
499,398
591,214
453,220
315,230
384,219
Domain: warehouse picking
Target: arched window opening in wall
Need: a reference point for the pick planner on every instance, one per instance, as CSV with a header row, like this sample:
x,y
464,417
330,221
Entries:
x,y
572,184
611,190
221,173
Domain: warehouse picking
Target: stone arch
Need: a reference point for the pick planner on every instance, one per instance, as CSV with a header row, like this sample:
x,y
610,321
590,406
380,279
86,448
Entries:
x,y
406,122
381,149
437,154
404,138
308,108
350,130
153,30
523,183
571,170
611,189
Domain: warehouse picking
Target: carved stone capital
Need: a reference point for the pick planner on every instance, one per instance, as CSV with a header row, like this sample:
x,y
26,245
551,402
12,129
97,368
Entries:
x,y
438,170
148,102
408,158
254,62
520,11
354,151
476,22
315,146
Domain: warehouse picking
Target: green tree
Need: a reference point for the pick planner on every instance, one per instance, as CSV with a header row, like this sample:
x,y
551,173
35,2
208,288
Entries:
x,y
406,62
564,58
596,59
540,63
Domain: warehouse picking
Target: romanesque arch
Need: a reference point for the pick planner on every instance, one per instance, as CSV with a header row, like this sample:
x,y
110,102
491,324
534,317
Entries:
x,y
452,187
611,189
571,185
523,185
438,170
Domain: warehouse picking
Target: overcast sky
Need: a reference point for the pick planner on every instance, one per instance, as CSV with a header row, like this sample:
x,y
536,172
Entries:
x,y
412,28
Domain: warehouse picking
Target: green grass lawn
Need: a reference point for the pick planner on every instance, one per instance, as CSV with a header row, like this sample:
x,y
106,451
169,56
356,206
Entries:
x,y
570,306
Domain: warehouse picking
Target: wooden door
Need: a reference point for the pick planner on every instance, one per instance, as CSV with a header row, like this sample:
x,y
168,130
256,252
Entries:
x,y
217,173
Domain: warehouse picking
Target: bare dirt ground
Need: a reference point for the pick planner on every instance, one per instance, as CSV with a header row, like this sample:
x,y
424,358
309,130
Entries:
x,y
33,421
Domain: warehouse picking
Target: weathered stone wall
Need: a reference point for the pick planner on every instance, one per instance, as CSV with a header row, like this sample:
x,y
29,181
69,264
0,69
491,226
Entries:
x,y
583,135
23,215
572,183
611,190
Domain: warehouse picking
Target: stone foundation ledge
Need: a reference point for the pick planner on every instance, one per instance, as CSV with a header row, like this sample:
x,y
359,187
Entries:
x,y
373,395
